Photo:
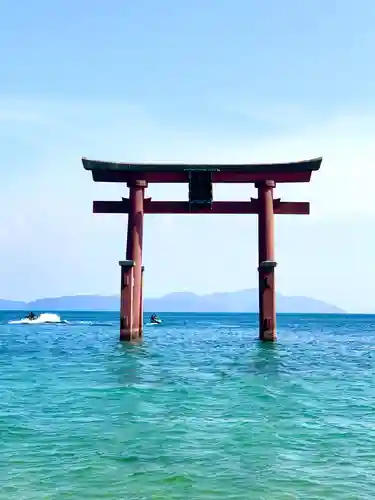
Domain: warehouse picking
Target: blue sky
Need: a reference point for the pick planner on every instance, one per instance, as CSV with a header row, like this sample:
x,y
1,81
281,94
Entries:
x,y
212,80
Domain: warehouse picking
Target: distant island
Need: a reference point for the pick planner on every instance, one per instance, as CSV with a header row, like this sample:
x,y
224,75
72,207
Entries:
x,y
231,302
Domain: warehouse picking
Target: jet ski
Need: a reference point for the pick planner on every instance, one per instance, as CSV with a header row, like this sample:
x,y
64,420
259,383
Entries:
x,y
155,320
43,318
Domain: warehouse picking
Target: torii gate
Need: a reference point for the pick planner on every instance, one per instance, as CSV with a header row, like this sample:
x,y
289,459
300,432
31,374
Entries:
x,y
200,178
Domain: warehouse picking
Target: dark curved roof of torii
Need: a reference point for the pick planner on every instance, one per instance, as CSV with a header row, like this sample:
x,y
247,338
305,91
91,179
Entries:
x,y
298,166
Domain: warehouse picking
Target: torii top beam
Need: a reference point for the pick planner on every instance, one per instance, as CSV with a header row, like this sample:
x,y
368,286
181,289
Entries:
x,y
103,171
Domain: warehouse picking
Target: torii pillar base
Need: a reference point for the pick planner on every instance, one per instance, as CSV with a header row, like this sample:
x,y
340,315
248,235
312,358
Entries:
x,y
267,306
129,329
141,305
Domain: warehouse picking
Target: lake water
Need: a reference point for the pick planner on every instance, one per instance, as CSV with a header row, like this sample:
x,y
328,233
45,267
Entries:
x,y
199,410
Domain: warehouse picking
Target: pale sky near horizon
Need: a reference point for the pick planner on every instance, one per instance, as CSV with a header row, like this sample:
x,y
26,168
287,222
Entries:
x,y
198,80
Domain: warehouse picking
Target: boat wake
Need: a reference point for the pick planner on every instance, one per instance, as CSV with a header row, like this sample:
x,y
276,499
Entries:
x,y
39,320
90,323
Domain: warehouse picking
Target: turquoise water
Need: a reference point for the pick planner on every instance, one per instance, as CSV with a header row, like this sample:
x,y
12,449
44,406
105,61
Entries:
x,y
200,410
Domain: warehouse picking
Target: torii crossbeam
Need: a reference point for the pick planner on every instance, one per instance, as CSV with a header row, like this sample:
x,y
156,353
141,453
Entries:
x,y
200,179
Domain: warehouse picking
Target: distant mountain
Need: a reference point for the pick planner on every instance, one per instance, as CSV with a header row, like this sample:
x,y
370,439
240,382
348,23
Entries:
x,y
9,305
241,301
236,302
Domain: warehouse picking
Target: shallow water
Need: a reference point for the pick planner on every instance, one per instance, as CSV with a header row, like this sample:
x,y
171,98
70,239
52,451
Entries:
x,y
200,410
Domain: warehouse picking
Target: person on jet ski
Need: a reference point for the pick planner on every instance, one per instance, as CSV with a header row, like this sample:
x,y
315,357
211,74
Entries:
x,y
31,316
154,318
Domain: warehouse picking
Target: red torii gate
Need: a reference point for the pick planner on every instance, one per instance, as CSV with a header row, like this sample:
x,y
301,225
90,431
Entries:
x,y
200,178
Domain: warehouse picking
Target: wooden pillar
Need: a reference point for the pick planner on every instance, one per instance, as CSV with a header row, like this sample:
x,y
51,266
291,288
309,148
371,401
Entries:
x,y
134,252
267,264
126,300
141,308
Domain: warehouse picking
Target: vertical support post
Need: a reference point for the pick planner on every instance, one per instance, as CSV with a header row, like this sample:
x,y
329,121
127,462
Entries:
x,y
141,308
267,264
134,250
126,300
